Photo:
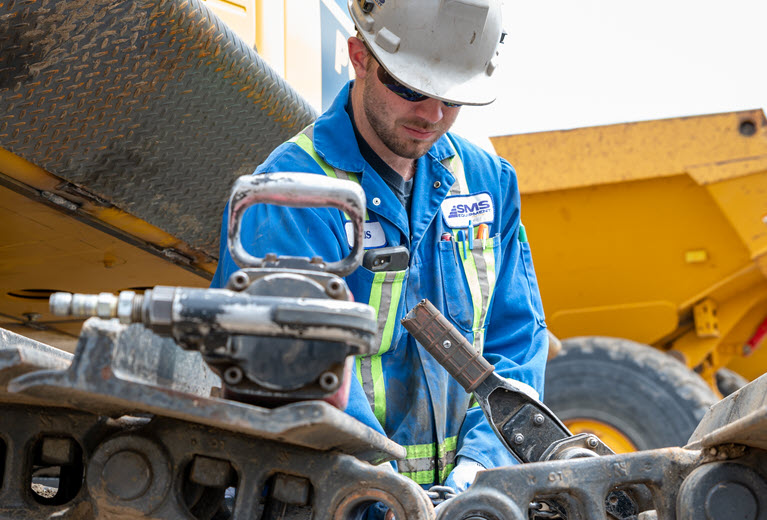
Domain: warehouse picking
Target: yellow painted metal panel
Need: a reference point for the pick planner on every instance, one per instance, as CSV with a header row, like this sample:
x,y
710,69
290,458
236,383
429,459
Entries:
x,y
625,244
751,366
29,175
709,148
743,201
738,318
633,225
303,52
270,33
239,15
43,249
644,322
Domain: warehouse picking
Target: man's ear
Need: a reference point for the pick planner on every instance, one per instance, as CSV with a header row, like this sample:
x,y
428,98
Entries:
x,y
358,55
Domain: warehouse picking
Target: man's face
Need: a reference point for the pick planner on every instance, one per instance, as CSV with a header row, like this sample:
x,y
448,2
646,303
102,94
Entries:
x,y
409,129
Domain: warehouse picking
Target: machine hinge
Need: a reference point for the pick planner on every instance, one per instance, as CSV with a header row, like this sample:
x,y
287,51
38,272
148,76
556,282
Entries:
x,y
706,319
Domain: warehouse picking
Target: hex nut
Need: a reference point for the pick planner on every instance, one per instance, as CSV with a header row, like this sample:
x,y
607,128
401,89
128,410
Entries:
x,y
125,306
106,305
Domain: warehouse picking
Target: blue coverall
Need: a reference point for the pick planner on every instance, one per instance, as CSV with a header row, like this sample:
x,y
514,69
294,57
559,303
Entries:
x,y
488,291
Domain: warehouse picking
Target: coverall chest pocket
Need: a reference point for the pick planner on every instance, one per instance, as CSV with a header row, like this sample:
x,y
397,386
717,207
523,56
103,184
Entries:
x,y
468,279
532,281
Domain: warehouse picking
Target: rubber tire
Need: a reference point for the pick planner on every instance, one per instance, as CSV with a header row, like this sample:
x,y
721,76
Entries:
x,y
729,381
650,397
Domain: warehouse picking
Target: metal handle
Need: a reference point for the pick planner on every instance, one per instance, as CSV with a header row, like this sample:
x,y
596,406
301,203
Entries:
x,y
298,190
432,330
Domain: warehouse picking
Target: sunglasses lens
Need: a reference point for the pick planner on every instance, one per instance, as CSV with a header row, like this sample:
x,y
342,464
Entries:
x,y
397,87
402,91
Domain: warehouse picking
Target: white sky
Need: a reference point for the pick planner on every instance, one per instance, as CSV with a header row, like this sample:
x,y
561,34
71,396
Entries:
x,y
569,64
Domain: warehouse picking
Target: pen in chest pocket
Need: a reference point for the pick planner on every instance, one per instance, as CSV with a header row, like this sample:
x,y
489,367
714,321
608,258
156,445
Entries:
x,y
483,232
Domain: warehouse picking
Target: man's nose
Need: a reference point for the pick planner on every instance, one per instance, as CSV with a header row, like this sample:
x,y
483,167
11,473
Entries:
x,y
430,109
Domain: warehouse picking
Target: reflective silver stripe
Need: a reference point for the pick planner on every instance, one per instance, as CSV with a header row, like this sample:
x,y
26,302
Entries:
x,y
385,294
384,309
426,463
486,290
365,375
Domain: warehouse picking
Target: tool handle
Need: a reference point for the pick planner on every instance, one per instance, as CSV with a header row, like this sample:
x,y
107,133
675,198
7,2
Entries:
x,y
438,336
297,190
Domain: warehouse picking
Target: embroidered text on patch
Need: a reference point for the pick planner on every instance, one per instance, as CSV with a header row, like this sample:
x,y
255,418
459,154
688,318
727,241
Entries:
x,y
459,211
373,235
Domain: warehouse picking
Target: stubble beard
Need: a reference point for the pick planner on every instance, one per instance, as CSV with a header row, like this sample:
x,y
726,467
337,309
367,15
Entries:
x,y
378,116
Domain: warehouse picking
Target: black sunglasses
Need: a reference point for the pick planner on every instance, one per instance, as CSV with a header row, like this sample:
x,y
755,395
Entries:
x,y
401,90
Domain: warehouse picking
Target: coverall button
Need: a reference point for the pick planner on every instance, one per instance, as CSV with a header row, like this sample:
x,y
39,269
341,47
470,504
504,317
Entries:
x,y
437,184
376,201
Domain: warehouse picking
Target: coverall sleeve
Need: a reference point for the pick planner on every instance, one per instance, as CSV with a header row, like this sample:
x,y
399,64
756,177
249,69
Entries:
x,y
516,341
288,231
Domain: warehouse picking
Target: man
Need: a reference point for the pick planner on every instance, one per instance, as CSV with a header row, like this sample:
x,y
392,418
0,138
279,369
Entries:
x,y
454,207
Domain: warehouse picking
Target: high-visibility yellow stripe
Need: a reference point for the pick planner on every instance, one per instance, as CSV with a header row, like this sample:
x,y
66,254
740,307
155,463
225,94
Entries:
x,y
419,451
438,460
379,390
391,317
305,142
306,145
428,476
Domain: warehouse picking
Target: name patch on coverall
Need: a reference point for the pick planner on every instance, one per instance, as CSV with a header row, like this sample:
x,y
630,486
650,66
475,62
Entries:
x,y
373,235
476,208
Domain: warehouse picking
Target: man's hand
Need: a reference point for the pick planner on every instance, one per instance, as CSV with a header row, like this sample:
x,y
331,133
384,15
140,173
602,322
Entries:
x,y
463,474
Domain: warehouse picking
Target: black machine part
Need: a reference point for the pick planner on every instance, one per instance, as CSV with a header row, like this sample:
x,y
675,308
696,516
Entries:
x,y
720,475
528,429
285,328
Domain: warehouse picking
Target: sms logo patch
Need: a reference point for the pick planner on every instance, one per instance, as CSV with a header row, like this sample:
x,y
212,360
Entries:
x,y
458,211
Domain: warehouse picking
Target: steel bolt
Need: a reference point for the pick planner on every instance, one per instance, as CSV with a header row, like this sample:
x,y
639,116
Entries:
x,y
240,281
519,438
335,289
538,419
329,381
593,442
446,344
233,375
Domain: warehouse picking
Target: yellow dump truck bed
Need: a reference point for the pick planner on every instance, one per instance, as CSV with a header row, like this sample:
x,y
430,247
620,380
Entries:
x,y
653,231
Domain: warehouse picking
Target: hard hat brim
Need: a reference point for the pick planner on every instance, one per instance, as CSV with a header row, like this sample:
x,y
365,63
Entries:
x,y
437,82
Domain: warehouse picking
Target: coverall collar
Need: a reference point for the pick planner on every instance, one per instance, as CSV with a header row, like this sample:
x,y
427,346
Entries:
x,y
335,142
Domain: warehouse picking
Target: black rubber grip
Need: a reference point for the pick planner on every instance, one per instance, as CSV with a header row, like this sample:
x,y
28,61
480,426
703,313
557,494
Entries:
x,y
437,335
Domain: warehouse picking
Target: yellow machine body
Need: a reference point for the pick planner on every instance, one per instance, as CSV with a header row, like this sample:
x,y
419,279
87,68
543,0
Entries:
x,y
653,231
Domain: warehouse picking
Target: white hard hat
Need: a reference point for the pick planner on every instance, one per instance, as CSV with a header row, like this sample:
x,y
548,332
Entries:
x,y
445,49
